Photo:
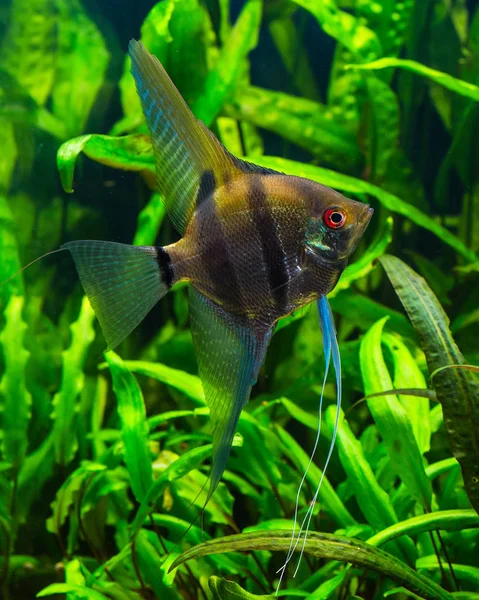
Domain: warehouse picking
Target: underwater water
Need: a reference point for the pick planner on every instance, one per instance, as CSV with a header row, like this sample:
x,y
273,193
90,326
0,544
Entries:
x,y
107,458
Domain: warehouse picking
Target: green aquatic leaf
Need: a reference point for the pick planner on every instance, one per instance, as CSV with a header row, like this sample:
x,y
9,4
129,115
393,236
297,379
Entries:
x,y
80,591
10,262
329,499
345,183
228,68
9,159
456,389
16,400
407,374
65,400
290,45
222,589
69,494
392,419
130,152
466,574
184,382
28,48
152,565
446,520
328,546
303,122
373,501
464,88
344,27
149,222
81,63
134,426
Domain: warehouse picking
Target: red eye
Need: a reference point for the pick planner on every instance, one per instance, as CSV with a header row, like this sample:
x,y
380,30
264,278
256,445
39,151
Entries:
x,y
334,218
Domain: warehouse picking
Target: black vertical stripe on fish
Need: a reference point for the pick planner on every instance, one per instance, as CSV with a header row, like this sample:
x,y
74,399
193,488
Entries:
x,y
166,268
273,253
206,187
219,266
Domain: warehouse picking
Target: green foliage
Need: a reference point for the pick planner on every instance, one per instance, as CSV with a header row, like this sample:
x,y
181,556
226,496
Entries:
x,y
104,465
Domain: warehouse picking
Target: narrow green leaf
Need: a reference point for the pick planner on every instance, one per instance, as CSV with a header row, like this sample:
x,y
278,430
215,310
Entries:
x,y
446,520
222,589
328,497
372,499
344,27
10,262
181,380
328,546
392,419
345,183
81,64
456,389
464,88
80,591
16,398
130,152
149,222
407,374
65,400
222,79
467,574
152,565
134,426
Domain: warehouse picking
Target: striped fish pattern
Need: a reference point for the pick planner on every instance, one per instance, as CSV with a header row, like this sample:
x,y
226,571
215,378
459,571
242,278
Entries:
x,y
256,245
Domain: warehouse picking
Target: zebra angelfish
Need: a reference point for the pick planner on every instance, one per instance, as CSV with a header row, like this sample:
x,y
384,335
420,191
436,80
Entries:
x,y
256,245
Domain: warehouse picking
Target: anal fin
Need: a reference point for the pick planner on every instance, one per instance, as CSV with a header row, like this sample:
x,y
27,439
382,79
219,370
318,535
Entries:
x,y
230,352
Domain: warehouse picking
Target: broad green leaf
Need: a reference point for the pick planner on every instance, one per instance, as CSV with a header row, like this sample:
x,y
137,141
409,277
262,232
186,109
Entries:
x,y
456,389
345,183
308,124
328,546
407,374
372,499
16,400
222,79
463,88
152,565
392,419
344,27
130,152
184,382
65,400
134,426
149,222
69,493
9,159
81,64
28,48
222,589
329,499
447,520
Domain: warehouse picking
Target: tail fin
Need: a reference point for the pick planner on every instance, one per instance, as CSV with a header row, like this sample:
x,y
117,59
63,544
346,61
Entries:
x,y
122,282
190,161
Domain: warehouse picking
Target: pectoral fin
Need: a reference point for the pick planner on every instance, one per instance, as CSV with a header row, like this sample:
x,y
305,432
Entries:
x,y
230,352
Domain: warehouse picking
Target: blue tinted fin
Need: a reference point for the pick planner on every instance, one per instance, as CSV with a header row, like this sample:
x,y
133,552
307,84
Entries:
x,y
331,351
184,148
230,353
122,283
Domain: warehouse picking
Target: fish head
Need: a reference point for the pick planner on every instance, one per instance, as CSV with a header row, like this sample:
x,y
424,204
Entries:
x,y
335,225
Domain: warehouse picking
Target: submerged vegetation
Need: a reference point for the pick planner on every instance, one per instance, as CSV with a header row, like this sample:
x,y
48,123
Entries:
x,y
104,457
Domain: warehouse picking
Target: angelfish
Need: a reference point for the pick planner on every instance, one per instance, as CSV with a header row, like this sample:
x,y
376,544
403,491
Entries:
x,y
256,245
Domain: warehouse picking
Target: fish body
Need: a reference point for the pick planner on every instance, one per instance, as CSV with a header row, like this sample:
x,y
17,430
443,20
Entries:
x,y
256,245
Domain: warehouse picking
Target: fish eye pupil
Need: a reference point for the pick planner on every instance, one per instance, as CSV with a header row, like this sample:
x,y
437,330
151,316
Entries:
x,y
334,218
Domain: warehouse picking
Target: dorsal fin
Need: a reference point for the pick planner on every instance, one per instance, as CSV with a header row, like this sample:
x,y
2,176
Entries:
x,y
190,161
